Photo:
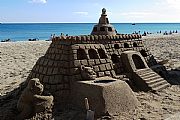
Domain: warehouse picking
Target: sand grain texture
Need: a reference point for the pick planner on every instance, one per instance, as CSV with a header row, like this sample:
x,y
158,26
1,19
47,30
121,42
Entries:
x,y
16,61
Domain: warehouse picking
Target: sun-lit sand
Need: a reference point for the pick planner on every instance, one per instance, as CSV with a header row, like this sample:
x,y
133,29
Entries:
x,y
16,61
18,58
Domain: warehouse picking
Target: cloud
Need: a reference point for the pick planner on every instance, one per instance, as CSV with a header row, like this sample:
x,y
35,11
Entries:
x,y
174,4
97,5
168,10
38,1
137,14
81,13
170,5
160,11
133,16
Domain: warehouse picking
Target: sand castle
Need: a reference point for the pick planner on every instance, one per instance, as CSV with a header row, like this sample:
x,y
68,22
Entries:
x,y
97,66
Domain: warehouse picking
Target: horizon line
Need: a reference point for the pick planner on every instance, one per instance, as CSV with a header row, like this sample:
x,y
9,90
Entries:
x,y
85,22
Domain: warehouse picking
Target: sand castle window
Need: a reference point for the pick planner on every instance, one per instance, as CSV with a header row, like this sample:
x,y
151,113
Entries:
x,y
114,58
126,45
135,44
93,54
138,62
81,54
109,28
107,21
102,28
102,54
143,53
116,46
95,29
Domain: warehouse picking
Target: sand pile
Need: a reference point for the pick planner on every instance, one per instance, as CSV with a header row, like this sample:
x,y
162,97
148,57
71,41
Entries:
x,y
17,59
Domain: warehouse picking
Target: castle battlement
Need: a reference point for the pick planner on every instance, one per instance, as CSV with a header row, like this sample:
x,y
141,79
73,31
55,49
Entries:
x,y
95,38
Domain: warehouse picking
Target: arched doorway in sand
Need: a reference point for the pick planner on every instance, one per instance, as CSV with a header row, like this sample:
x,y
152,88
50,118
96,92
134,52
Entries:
x,y
139,64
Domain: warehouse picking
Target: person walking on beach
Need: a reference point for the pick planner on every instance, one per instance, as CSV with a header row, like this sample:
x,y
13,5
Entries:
x,y
51,37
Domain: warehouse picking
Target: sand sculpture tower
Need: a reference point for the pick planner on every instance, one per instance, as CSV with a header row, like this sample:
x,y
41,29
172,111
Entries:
x,y
103,27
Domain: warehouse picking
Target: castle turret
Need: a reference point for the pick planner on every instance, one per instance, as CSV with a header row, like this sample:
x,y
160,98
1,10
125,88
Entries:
x,y
103,27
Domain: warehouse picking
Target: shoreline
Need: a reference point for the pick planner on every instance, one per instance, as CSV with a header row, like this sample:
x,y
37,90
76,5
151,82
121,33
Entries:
x,y
154,35
161,36
25,41
21,41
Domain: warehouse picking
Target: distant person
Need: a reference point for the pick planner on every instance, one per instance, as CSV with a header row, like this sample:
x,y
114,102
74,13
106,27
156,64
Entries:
x,y
62,34
170,32
165,33
51,37
144,34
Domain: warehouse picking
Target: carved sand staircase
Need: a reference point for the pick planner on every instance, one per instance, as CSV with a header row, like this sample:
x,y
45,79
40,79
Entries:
x,y
151,79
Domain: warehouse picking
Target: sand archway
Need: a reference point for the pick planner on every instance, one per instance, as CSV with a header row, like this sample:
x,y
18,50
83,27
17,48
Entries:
x,y
138,62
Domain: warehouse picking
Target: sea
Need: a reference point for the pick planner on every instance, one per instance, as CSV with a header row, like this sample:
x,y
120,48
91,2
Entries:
x,y
43,31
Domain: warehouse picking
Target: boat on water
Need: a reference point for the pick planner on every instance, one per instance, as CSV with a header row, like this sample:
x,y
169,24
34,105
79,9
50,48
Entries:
x,y
133,24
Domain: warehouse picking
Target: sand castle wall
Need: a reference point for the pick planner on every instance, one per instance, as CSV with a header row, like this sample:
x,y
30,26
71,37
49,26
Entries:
x,y
59,67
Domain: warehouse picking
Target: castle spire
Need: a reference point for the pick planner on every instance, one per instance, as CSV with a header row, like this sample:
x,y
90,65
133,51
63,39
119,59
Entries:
x,y
103,27
103,19
103,11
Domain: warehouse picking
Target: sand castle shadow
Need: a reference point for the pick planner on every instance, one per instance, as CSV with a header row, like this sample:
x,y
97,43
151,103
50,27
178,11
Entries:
x,y
8,103
26,92
173,77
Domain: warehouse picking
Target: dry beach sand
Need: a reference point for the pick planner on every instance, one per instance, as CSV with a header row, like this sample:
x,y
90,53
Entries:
x,y
16,61
18,58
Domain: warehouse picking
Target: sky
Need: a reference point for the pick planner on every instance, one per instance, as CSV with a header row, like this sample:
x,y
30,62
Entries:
x,y
88,11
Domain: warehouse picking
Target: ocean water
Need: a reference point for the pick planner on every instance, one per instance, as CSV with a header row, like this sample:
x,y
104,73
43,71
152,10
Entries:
x,y
43,31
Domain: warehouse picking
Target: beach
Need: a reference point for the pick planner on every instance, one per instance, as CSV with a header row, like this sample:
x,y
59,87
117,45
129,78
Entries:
x,y
16,61
18,58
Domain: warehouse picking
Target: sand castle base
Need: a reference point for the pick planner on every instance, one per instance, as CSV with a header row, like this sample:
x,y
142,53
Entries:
x,y
105,95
